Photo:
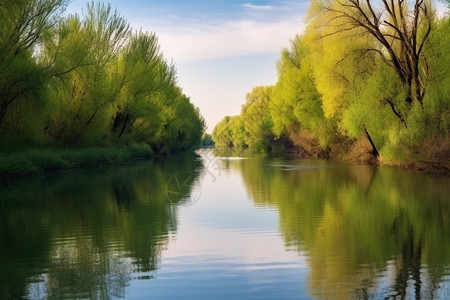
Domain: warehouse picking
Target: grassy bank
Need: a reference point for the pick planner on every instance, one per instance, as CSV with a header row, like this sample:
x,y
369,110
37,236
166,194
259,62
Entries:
x,y
35,162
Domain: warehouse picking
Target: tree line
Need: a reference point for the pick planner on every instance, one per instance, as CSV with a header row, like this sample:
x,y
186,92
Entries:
x,y
87,80
366,80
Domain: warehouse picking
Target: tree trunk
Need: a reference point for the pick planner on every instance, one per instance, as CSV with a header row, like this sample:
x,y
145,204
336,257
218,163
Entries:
x,y
374,149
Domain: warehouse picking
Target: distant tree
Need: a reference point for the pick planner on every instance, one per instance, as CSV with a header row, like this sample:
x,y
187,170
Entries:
x,y
207,140
222,134
256,117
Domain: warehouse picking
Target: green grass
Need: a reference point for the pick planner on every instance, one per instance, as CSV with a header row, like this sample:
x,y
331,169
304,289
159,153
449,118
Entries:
x,y
35,162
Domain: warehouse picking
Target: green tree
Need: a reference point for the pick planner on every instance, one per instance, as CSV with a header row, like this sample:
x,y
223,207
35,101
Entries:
x,y
222,133
82,55
87,80
375,82
148,86
23,25
398,30
256,118
296,105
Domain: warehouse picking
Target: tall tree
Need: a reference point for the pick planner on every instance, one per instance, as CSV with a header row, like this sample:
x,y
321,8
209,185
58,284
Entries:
x,y
400,30
23,24
81,57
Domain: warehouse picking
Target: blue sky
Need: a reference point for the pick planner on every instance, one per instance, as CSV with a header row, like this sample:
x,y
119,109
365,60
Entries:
x,y
221,49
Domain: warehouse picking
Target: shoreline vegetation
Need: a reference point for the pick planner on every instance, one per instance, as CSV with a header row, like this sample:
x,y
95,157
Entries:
x,y
365,81
84,90
42,161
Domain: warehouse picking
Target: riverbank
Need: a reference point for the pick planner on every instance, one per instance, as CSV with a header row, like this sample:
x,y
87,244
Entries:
x,y
361,153
39,161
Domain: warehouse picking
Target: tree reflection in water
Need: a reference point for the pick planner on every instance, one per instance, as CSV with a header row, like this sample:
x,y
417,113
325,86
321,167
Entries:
x,y
366,231
88,234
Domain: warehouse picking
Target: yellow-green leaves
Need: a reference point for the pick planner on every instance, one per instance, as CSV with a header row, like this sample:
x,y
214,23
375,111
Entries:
x,y
89,81
363,73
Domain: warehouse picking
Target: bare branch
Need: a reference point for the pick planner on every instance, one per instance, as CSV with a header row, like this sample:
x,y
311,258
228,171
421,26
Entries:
x,y
398,114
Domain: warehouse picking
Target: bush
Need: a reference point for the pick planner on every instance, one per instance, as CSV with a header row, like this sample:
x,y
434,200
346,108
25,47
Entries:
x,y
32,162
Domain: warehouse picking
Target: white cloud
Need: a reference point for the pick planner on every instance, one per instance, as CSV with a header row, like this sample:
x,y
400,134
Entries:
x,y
219,60
259,7
442,10
227,39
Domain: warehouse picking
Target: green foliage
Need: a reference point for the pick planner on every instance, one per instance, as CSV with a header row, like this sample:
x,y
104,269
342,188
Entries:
x,y
207,140
253,127
437,99
23,24
22,106
256,119
87,81
367,110
39,161
350,90
222,133
426,137
185,129
296,104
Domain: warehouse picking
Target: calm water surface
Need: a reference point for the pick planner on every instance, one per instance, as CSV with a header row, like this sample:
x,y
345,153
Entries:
x,y
222,225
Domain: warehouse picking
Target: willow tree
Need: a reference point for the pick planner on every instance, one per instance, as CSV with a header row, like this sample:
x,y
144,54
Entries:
x,y
82,55
184,128
256,117
222,133
23,24
399,31
296,105
150,85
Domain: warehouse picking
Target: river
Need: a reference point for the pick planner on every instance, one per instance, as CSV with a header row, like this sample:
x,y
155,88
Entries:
x,y
218,224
